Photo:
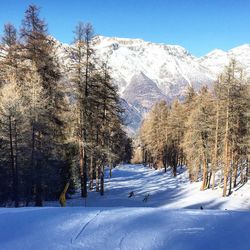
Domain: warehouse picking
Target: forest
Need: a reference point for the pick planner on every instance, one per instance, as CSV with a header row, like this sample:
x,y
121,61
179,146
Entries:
x,y
61,127
124,125
58,126
208,132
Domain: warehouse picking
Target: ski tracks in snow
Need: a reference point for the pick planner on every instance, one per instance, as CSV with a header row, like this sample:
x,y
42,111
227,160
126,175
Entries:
x,y
122,240
74,239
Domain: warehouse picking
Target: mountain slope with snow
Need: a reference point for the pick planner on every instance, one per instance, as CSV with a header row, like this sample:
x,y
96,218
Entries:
x,y
169,69
171,218
147,72
216,60
142,92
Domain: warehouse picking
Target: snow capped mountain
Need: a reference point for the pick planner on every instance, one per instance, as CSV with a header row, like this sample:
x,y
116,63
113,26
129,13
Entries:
x,y
217,59
171,67
147,72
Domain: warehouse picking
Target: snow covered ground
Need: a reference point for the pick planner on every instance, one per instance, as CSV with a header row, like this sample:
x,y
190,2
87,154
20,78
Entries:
x,y
163,189
123,228
115,221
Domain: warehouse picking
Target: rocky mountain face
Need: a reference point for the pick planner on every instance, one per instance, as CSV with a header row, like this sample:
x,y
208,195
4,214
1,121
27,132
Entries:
x,y
142,92
131,116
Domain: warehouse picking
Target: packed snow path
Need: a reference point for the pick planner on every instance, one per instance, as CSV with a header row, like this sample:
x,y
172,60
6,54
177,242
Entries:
x,y
122,228
162,189
116,221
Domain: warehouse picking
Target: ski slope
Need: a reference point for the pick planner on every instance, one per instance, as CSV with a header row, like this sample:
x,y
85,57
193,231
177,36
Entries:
x,y
170,219
164,191
123,228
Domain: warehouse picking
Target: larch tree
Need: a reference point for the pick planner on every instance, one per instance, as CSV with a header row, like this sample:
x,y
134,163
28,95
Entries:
x,y
38,55
11,124
233,94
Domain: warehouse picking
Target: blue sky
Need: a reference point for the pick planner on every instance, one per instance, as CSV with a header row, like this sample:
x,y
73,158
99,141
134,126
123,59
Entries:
x,y
198,25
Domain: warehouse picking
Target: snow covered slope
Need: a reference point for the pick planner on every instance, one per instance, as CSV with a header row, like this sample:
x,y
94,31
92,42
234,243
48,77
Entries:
x,y
115,221
164,191
131,116
122,229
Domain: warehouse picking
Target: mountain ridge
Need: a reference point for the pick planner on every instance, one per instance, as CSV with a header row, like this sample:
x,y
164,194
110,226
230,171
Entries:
x,y
168,69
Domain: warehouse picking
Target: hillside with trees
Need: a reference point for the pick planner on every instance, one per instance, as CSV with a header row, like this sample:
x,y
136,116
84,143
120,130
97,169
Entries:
x,y
55,130
208,133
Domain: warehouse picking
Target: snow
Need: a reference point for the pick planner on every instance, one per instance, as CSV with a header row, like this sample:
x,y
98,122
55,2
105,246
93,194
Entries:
x,y
123,228
170,219
164,191
217,59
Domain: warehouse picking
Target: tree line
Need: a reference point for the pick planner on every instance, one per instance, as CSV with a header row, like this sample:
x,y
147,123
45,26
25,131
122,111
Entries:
x,y
209,132
57,125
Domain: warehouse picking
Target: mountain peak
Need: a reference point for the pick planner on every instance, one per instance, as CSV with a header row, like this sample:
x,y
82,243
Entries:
x,y
142,92
141,78
244,47
216,52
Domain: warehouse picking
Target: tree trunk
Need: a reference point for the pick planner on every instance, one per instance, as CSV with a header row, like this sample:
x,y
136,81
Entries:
x,y
213,179
91,173
38,183
204,173
81,167
226,162
85,179
209,176
38,198
16,167
12,160
164,162
242,174
235,173
230,183
215,162
97,178
175,170
102,181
